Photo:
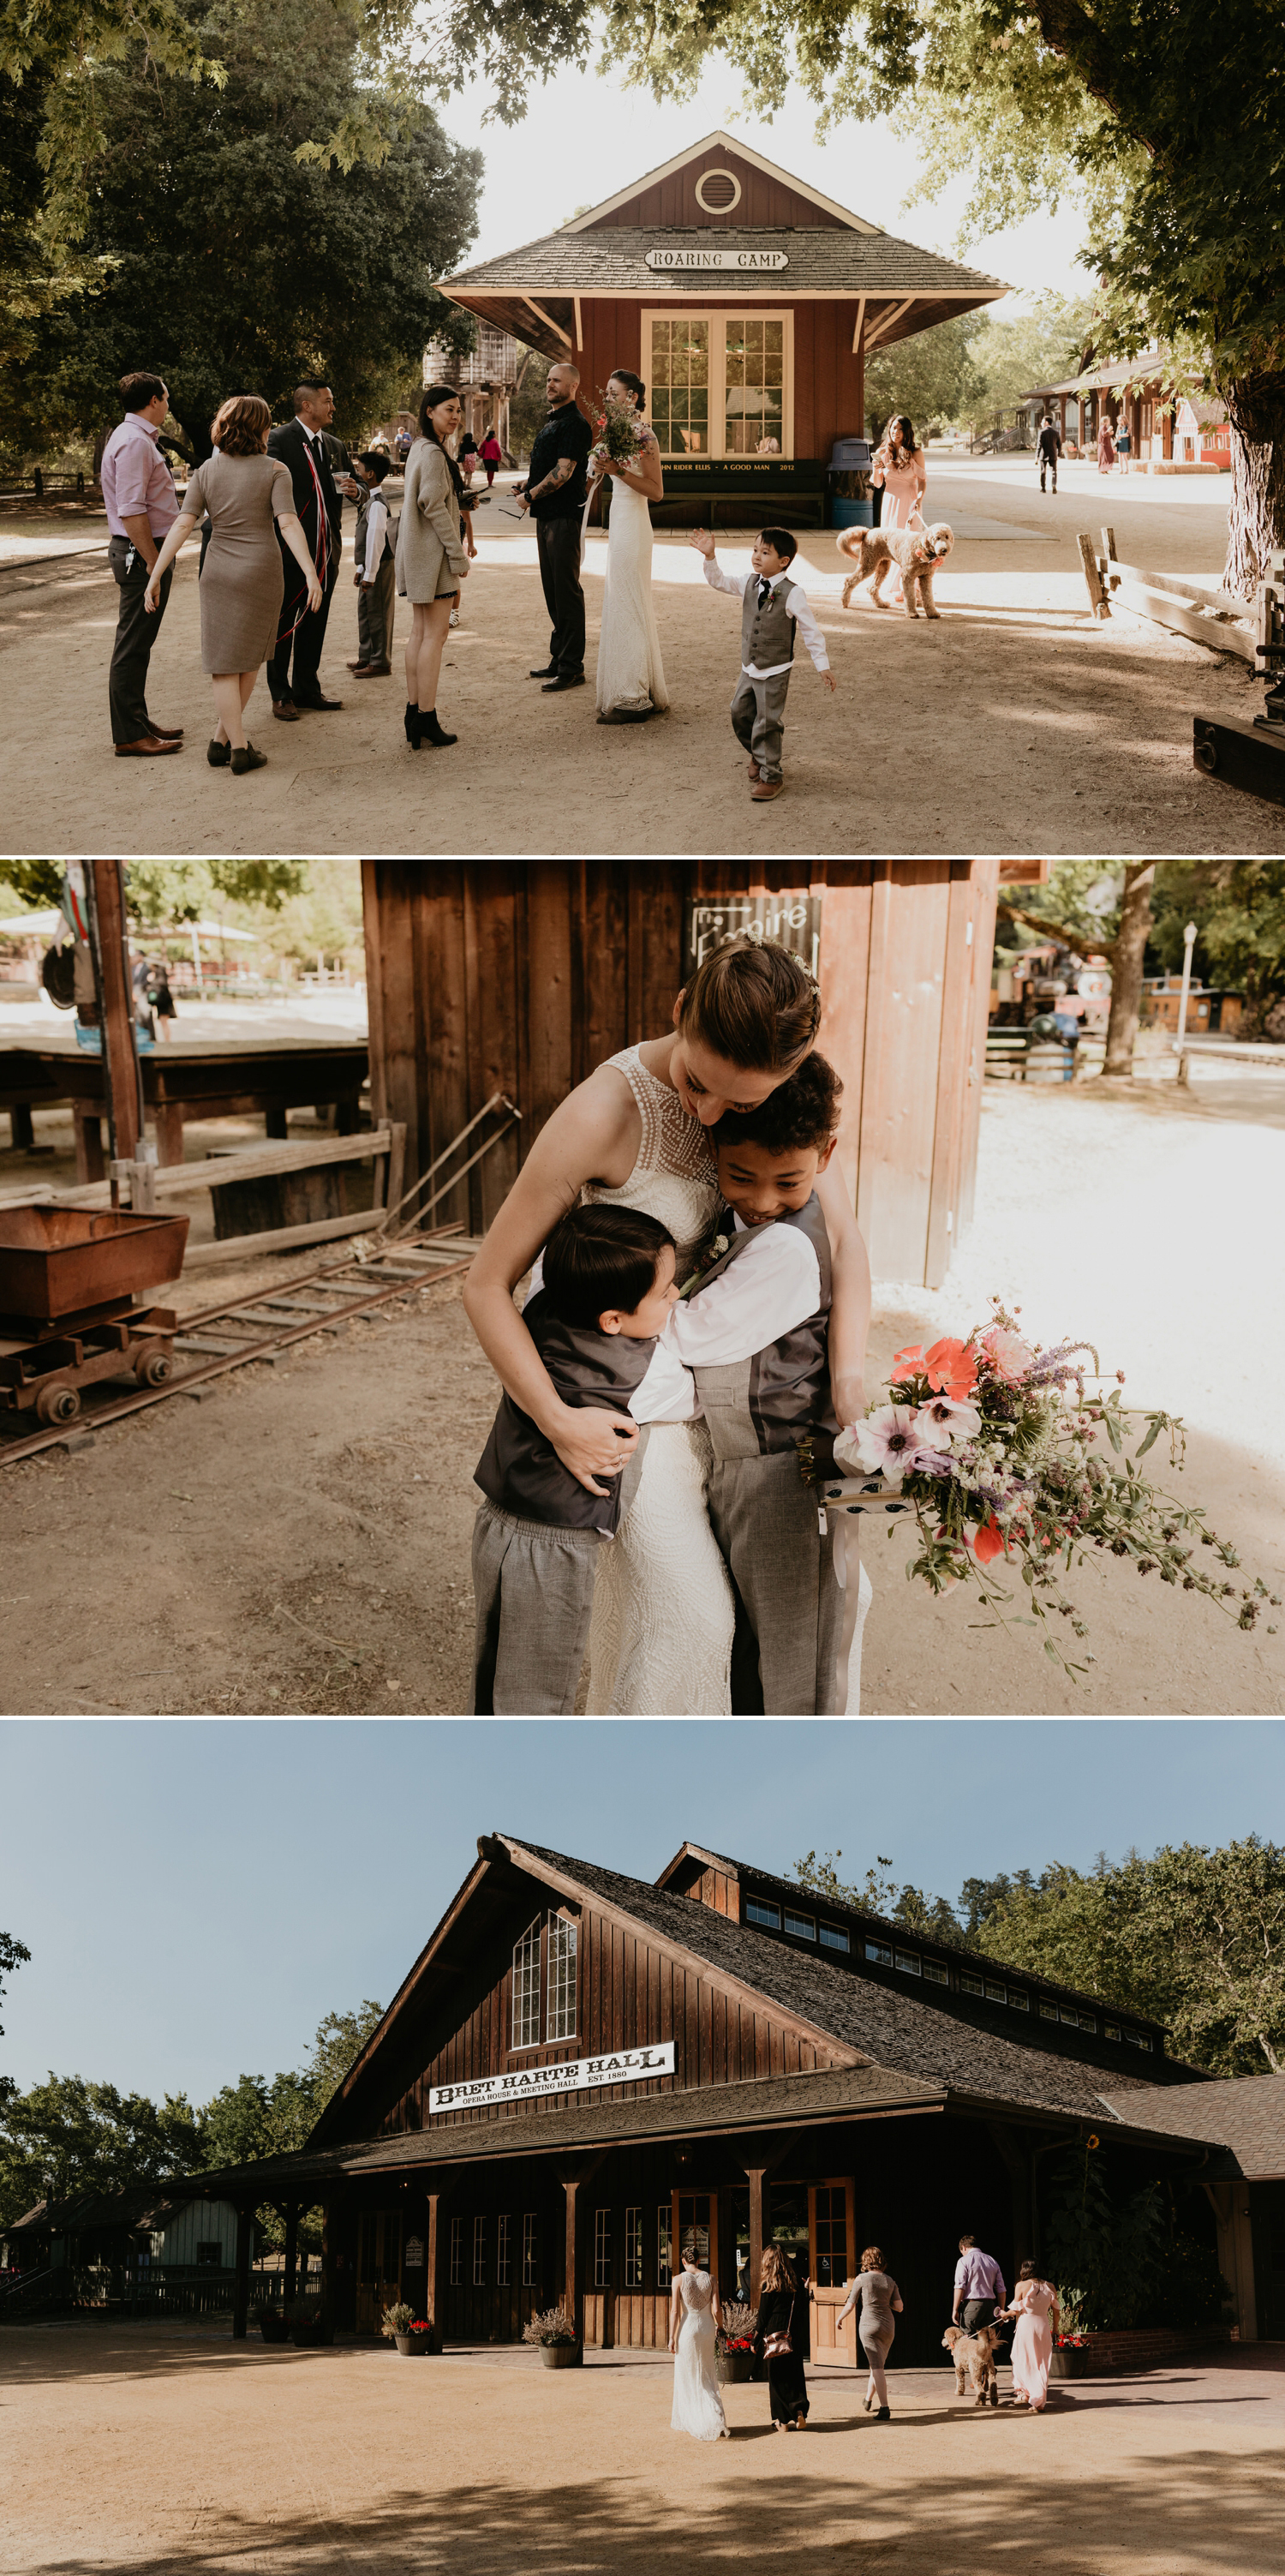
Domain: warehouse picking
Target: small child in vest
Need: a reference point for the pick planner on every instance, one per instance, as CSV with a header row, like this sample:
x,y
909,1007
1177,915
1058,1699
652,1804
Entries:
x,y
596,1320
754,1331
772,608
375,576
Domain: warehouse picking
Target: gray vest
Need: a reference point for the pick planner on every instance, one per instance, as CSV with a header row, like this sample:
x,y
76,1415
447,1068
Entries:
x,y
359,534
757,1406
767,634
519,1470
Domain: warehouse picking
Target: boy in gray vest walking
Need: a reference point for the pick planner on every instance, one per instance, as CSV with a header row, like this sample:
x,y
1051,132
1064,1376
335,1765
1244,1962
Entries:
x,y
596,1320
754,1331
773,608
374,546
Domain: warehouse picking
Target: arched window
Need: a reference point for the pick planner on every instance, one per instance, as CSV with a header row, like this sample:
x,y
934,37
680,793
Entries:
x,y
562,1978
526,1988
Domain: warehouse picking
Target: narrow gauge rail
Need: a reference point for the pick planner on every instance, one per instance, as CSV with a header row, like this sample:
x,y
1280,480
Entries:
x,y
264,1321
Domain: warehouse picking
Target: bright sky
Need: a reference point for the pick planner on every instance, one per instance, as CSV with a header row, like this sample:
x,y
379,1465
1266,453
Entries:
x,y
196,1896
585,138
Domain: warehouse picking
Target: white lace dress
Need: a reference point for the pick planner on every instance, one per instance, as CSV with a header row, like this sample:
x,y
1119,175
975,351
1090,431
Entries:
x,y
698,2408
661,1640
631,675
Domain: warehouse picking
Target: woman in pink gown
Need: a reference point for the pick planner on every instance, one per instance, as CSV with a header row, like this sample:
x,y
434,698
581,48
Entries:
x,y
900,472
1038,2317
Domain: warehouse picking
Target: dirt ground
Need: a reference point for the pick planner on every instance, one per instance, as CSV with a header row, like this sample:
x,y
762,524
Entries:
x,y
1015,724
160,2450
298,1542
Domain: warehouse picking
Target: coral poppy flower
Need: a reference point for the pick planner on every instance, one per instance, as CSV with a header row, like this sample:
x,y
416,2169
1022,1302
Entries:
x,y
951,1367
988,1541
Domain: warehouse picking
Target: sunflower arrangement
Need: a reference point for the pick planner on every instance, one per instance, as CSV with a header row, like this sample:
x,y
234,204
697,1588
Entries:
x,y
1012,1455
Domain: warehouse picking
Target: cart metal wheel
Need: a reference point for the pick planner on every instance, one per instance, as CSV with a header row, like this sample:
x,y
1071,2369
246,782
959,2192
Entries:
x,y
58,1403
1205,756
153,1368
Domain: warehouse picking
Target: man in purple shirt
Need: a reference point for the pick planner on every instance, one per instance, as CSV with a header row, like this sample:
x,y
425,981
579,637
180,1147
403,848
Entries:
x,y
138,490
979,2286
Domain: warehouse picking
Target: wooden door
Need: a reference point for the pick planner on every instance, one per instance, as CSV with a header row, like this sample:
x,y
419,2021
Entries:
x,y
695,2230
378,2267
831,2241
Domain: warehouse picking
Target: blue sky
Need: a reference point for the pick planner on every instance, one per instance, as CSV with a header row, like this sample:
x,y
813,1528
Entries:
x,y
196,1896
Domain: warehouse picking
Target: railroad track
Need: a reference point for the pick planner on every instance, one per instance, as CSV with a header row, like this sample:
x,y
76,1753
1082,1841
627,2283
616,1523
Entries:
x,y
259,1325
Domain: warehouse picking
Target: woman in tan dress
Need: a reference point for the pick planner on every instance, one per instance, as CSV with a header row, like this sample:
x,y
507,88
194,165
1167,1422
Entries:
x,y
877,2299
432,558
248,495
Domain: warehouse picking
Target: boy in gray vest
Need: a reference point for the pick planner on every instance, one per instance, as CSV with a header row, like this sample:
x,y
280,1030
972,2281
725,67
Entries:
x,y
772,608
596,1321
374,543
753,1328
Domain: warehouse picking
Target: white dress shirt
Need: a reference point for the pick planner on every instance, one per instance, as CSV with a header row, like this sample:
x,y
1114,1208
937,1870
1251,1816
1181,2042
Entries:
x,y
770,1287
796,602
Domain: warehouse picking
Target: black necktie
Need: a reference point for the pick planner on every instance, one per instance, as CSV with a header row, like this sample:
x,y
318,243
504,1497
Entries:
x,y
765,590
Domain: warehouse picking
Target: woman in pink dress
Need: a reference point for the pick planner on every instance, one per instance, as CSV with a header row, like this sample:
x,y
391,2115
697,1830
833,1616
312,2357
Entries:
x,y
1038,2317
900,473
1106,446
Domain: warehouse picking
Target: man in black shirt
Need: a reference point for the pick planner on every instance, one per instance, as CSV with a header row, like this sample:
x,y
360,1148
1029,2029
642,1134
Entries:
x,y
1049,445
554,492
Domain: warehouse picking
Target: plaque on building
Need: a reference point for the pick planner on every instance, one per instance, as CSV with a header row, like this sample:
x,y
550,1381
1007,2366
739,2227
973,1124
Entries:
x,y
713,255
792,918
413,2258
571,2075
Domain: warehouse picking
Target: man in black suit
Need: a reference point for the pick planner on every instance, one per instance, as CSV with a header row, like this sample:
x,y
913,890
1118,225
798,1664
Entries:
x,y
318,499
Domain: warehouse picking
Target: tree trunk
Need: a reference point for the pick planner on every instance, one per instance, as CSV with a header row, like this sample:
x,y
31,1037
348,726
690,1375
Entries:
x,y
1256,519
1127,954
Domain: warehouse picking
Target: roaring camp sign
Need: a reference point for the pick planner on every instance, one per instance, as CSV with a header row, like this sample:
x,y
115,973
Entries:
x,y
710,255
576,2075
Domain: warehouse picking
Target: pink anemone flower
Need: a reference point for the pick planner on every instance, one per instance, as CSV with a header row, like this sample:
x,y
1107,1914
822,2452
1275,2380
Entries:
x,y
885,1443
943,1420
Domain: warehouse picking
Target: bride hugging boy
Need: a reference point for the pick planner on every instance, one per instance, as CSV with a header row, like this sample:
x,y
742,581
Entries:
x,y
747,1348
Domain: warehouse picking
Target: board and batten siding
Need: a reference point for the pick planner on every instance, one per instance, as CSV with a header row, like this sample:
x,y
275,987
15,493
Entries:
x,y
199,2222
632,1994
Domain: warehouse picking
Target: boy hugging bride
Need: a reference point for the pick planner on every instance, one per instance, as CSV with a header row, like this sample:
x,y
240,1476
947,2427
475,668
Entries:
x,y
739,1346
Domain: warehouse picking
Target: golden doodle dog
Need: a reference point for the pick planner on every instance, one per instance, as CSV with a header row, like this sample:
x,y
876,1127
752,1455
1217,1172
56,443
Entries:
x,y
974,2359
916,552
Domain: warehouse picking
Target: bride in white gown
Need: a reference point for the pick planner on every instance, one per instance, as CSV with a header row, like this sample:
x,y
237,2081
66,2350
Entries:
x,y
631,675
694,2315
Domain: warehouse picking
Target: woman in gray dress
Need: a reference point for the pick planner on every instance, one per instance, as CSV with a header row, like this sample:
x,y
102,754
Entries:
x,y
877,2299
432,558
245,491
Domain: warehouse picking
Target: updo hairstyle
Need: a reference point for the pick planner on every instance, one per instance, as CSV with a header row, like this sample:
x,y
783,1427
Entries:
x,y
753,1004
240,425
872,2259
624,376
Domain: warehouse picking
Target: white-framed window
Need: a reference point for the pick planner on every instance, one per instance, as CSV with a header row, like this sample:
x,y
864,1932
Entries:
x,y
1137,2039
880,1952
602,2249
526,1988
720,384
935,1973
1110,2030
969,1984
1018,2003
561,2022
833,1939
908,1962
633,2249
757,1910
664,2245
503,2226
530,2250
996,1994
457,2252
1072,2017
479,2253
1048,2012
1088,2022
801,1925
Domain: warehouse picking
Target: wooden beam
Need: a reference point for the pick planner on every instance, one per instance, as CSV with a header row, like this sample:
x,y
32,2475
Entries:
x,y
548,321
292,2251
282,1238
241,2291
1098,601
105,884
257,1163
861,315
887,321
579,324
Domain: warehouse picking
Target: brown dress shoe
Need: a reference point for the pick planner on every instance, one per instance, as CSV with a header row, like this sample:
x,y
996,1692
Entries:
x,y
146,749
766,789
754,770
373,671
284,711
165,733
359,666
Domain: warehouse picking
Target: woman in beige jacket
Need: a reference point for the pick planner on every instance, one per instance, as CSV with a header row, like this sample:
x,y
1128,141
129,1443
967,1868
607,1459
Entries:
x,y
432,559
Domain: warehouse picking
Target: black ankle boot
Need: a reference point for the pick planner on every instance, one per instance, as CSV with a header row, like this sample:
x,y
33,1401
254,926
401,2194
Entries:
x,y
431,731
412,725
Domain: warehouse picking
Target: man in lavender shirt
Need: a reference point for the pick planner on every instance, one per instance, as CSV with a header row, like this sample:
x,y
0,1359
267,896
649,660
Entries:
x,y
138,490
979,2286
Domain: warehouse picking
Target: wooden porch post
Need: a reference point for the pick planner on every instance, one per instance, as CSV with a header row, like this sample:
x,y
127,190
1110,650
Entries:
x,y
292,2248
105,882
760,2213
435,2257
573,2183
1012,2150
241,2293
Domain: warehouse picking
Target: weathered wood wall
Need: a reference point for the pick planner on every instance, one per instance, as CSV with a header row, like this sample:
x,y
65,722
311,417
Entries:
x,y
767,203
521,975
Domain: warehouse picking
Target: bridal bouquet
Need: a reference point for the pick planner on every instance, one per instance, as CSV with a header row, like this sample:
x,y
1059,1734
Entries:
x,y
1006,1455
621,432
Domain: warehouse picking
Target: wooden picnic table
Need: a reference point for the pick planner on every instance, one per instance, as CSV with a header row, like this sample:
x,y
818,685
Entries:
x,y
188,1078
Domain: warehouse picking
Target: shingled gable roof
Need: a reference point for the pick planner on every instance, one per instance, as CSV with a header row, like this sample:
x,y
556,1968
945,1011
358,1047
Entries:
x,y
896,2033
823,261
792,1891
1245,2114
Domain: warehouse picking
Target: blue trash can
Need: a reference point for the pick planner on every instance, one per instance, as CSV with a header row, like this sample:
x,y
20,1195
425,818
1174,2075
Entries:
x,y
847,500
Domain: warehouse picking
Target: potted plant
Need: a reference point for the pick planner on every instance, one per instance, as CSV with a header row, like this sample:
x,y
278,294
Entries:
x,y
554,2331
1070,2357
270,2321
410,2333
309,2323
736,2343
